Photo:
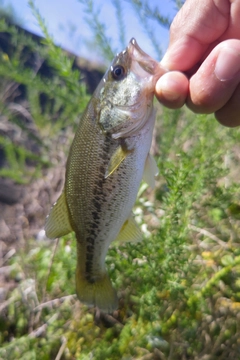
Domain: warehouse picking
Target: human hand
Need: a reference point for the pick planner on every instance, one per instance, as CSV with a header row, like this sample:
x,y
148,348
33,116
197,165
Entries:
x,y
204,60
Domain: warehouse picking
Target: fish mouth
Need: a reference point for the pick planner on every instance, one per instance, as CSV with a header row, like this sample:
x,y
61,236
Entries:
x,y
147,71
148,65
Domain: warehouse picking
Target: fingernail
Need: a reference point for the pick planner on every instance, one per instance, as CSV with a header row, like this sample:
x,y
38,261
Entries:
x,y
165,61
227,65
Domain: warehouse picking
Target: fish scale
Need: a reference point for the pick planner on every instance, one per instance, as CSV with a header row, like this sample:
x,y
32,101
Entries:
x,y
108,158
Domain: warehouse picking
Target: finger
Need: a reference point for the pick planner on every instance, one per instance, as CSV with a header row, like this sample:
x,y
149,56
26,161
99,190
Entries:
x,y
229,114
212,86
172,89
197,25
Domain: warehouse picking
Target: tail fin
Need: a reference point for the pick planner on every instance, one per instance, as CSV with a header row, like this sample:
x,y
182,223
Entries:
x,y
98,293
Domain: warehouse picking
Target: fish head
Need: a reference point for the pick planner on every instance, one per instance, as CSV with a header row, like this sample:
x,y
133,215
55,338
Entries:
x,y
126,91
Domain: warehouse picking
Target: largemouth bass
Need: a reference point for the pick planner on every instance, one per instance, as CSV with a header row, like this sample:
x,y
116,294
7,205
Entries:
x,y
108,158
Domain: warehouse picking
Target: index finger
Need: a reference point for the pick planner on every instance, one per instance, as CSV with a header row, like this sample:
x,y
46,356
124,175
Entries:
x,y
196,26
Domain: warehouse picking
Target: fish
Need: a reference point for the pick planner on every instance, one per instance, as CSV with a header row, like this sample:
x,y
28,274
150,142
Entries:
x,y
108,158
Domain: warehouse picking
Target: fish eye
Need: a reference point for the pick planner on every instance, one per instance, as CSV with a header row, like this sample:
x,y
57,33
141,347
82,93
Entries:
x,y
118,72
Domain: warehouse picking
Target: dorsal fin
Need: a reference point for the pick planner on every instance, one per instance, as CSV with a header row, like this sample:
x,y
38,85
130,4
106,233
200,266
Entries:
x,y
57,223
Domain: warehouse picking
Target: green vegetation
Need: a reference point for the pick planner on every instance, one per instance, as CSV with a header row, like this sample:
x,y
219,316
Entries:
x,y
179,289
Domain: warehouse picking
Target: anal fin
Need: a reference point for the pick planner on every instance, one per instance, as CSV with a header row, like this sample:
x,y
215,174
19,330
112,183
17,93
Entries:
x,y
57,222
130,231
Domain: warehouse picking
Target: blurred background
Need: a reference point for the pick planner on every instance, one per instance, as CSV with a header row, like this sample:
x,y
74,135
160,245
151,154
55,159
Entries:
x,y
68,23
179,289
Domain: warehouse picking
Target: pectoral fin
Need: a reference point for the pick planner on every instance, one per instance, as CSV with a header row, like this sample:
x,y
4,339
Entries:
x,y
117,158
57,222
150,171
129,231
